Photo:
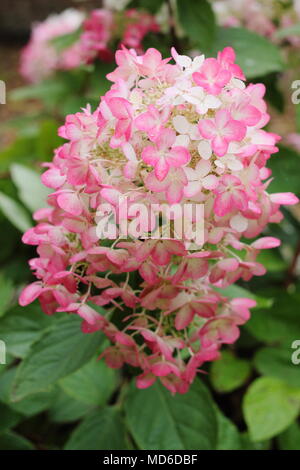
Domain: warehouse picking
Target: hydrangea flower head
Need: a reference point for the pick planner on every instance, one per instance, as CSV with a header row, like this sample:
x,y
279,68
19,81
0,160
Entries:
x,y
181,132
261,16
40,57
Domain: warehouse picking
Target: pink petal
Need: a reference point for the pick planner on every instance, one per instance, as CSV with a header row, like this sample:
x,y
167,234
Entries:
x,y
70,202
161,369
150,155
91,316
184,317
223,204
266,243
161,169
52,178
165,139
30,293
178,156
229,264
234,130
145,380
120,108
284,198
174,192
243,302
219,145
207,128
152,183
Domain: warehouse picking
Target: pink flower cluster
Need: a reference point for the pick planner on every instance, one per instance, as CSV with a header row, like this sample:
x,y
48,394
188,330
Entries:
x,y
189,131
262,16
96,37
39,57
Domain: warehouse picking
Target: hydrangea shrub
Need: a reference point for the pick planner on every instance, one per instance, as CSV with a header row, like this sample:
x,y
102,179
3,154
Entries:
x,y
175,133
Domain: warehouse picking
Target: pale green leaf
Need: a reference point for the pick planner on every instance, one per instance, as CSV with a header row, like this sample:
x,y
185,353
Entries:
x,y
270,406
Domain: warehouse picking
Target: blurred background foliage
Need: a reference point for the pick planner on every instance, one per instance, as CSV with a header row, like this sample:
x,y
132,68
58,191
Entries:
x,y
54,393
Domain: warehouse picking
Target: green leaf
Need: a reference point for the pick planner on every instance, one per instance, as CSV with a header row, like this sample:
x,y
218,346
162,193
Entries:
x,y
53,91
255,54
274,94
47,139
22,149
6,293
15,213
61,351
270,406
228,435
102,430
66,40
98,83
285,170
272,261
29,406
158,420
247,444
93,384
280,323
9,240
290,439
73,103
288,31
22,326
198,22
66,409
9,440
229,372
31,191
9,418
277,362
49,90
297,112
150,5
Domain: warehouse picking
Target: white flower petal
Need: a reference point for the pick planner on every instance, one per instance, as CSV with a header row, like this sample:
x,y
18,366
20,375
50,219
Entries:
x,y
220,164
191,174
236,82
183,61
204,149
198,92
210,182
201,108
212,102
191,99
234,165
238,223
178,100
129,151
181,124
194,132
197,62
203,168
182,140
192,188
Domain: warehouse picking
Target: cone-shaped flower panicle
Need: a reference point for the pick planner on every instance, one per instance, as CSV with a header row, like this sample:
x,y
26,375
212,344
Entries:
x,y
172,133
